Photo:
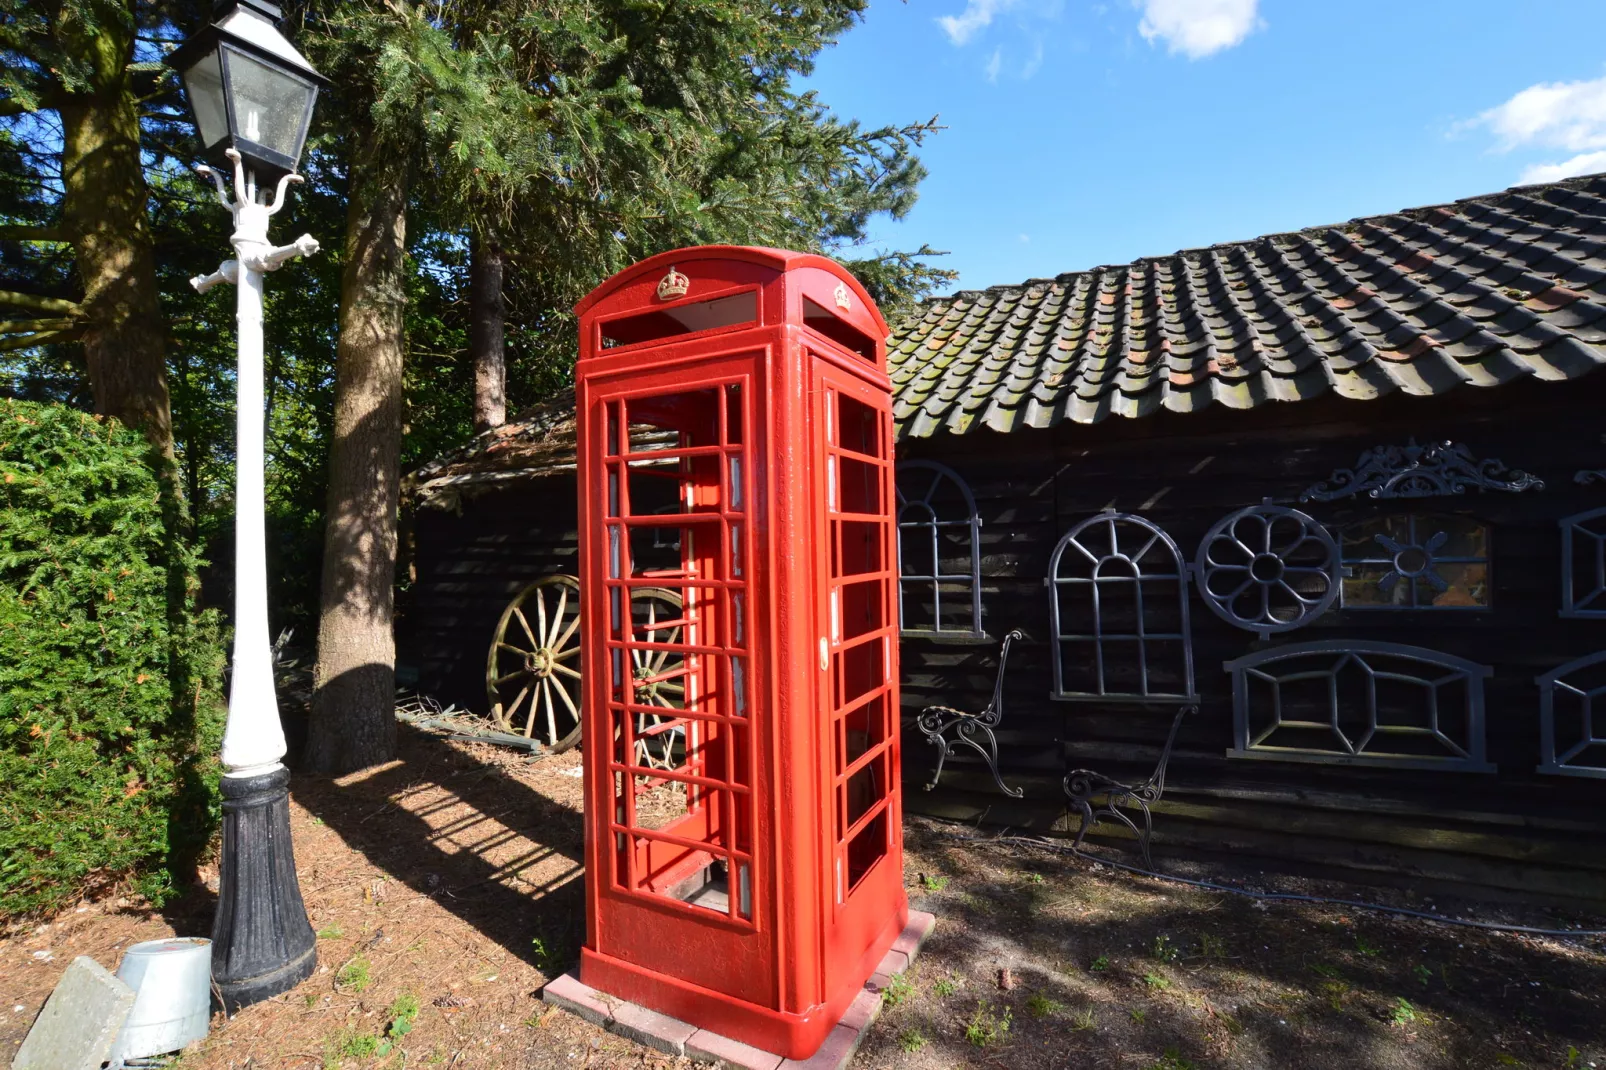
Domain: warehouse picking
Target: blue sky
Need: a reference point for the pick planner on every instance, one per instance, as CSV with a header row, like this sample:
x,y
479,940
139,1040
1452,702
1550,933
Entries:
x,y
1082,133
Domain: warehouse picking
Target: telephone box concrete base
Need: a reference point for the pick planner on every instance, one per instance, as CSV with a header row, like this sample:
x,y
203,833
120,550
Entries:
x,y
675,1037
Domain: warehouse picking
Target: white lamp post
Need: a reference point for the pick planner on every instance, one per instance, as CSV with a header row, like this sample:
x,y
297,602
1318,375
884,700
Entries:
x,y
252,94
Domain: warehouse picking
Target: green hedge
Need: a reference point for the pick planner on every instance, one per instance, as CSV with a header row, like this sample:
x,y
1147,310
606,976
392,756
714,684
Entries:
x,y
109,707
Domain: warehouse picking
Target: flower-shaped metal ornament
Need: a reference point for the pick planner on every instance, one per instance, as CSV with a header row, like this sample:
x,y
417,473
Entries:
x,y
1268,569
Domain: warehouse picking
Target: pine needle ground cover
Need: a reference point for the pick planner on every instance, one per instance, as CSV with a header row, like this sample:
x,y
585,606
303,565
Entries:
x,y
108,678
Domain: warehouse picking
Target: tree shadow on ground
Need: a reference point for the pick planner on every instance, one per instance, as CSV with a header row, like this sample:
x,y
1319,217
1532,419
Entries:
x,y
1108,970
493,850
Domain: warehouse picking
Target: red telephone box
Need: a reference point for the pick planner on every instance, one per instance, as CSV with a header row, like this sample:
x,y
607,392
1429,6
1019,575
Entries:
x,y
743,815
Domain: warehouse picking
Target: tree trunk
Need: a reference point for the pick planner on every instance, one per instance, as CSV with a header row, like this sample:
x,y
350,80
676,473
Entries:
x,y
353,705
104,211
486,316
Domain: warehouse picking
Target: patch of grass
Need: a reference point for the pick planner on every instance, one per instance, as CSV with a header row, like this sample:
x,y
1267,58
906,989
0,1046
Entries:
x,y
1212,947
1035,878
911,1040
1424,975
547,957
333,932
1100,964
1403,1014
1156,981
1082,1020
898,989
354,976
1369,950
1165,950
1138,1015
987,1026
1572,1058
1171,1060
1335,993
349,1044
933,883
403,1013
1040,1006
1321,969
945,986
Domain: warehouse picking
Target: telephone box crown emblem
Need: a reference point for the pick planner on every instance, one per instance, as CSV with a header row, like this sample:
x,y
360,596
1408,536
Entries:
x,y
674,284
843,301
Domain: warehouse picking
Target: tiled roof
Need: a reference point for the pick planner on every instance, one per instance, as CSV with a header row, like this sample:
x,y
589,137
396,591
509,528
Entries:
x,y
1482,291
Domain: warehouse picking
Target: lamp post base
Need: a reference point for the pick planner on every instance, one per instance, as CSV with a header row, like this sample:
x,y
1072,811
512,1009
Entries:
x,y
262,943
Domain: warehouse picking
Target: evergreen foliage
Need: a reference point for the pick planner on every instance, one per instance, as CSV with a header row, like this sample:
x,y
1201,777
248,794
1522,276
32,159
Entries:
x,y
109,714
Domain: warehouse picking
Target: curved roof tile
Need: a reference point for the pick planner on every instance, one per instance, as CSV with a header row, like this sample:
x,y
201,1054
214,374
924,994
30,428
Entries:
x,y
1482,291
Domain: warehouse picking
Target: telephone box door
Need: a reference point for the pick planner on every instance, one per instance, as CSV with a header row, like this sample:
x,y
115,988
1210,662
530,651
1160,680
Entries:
x,y
858,625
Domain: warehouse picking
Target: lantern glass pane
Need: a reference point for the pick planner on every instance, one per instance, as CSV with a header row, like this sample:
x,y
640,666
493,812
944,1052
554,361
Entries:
x,y
270,106
204,84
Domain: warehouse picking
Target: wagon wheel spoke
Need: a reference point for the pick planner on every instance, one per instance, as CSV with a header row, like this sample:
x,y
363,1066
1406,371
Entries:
x,y
551,719
568,632
500,680
565,670
557,617
563,693
564,655
535,644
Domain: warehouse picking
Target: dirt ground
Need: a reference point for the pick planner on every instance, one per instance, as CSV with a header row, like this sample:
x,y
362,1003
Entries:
x,y
446,889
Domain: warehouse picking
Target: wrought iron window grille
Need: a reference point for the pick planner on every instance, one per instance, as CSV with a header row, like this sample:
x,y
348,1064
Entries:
x,y
922,520
1586,476
1412,471
1335,701
974,730
1268,569
1122,566
1412,563
1583,564
1581,734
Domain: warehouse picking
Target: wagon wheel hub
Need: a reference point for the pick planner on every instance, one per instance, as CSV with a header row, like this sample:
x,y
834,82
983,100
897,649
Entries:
x,y
540,662
645,692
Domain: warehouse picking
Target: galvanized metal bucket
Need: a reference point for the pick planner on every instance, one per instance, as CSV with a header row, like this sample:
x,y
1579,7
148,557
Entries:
x,y
172,983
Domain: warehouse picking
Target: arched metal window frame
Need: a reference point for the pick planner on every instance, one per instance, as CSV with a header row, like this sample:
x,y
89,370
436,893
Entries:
x,y
1549,762
1570,602
1059,638
972,520
1416,518
1474,675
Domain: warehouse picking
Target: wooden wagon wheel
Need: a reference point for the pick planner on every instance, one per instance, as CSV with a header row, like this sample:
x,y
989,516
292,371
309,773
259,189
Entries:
x,y
659,675
532,672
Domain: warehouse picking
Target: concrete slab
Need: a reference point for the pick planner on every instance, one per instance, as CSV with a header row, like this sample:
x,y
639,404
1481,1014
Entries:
x,y
80,1021
651,1029
675,1037
706,1047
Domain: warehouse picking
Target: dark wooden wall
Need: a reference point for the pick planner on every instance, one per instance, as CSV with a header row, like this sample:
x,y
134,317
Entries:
x,y
1514,831
470,563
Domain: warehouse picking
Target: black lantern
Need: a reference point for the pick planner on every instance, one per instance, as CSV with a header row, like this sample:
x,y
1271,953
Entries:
x,y
248,87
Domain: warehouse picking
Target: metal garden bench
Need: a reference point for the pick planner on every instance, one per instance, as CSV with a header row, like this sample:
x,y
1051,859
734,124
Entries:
x,y
947,727
1085,785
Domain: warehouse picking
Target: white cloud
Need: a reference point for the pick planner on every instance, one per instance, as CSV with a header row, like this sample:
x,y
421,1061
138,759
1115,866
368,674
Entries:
x,y
977,16
1587,163
1563,115
1035,63
994,63
1197,28
1570,116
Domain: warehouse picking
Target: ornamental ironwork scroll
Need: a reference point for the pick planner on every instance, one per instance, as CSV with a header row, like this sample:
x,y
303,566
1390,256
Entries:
x,y
1411,471
1268,569
1590,475
1572,718
1583,564
937,516
1118,593
1355,702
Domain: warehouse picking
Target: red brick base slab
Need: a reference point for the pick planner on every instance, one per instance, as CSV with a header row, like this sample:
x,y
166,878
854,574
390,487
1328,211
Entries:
x,y
675,1037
